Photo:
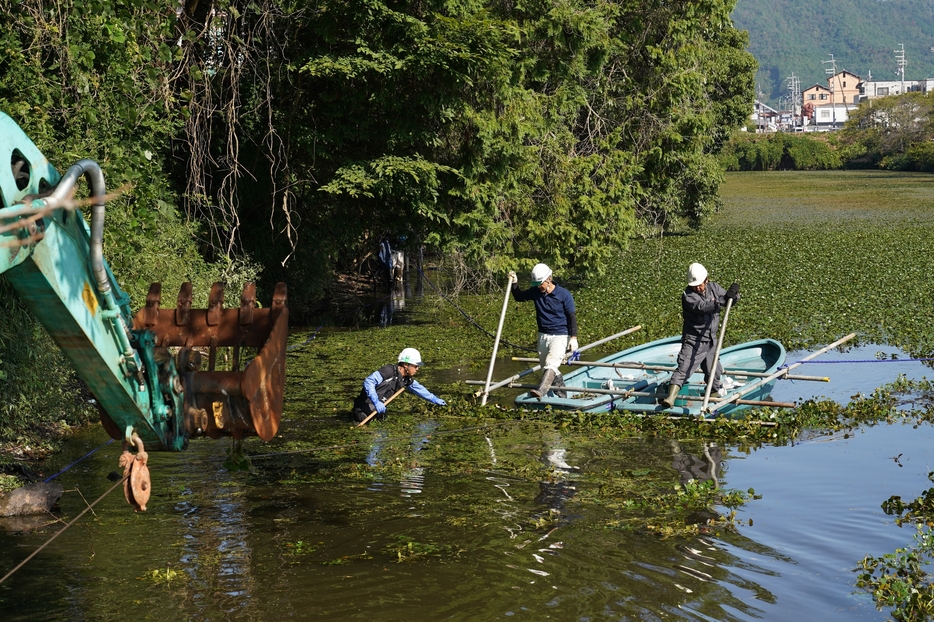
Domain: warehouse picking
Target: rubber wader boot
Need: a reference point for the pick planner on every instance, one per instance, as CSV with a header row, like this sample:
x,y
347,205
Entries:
x,y
547,378
557,385
673,390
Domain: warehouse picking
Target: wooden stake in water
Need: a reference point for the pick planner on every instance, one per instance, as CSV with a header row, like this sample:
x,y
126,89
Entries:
x,y
716,356
499,332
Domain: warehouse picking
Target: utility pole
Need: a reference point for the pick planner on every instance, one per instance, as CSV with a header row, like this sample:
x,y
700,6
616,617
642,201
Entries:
x,y
794,87
832,71
900,63
758,104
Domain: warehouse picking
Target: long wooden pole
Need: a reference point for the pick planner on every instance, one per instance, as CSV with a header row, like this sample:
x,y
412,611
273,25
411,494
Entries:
x,y
716,356
373,414
627,365
532,370
758,383
499,332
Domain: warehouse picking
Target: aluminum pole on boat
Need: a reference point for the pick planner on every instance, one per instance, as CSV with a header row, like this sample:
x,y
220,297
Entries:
x,y
781,372
532,370
499,332
716,356
685,398
629,365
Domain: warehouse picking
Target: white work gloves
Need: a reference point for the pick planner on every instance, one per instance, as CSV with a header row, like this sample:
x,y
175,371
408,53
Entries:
x,y
572,345
512,277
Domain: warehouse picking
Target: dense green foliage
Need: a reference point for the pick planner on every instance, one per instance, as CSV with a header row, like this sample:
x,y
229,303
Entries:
x,y
93,80
541,131
290,137
893,133
795,36
778,151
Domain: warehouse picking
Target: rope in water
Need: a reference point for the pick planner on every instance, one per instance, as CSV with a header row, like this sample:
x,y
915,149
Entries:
x,y
51,477
307,341
470,319
61,531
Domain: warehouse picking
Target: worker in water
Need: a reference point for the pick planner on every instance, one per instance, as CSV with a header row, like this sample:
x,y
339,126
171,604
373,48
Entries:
x,y
557,325
700,308
383,383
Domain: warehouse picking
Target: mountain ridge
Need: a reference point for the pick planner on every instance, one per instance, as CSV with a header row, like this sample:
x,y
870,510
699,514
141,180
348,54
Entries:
x,y
794,36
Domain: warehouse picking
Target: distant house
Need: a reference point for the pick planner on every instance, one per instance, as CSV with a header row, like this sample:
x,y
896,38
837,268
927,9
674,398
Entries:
x,y
844,87
764,117
831,116
816,95
872,89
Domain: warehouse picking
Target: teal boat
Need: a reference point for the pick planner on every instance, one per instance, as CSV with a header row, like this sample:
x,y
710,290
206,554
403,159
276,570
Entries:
x,y
634,379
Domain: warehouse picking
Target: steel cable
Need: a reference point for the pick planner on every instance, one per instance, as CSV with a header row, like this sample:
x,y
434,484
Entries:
x,y
61,531
470,319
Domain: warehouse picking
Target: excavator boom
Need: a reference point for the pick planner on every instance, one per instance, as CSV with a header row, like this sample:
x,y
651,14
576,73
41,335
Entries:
x,y
144,371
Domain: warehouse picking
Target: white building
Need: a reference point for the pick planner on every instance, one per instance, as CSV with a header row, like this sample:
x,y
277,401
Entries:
x,y
872,89
830,116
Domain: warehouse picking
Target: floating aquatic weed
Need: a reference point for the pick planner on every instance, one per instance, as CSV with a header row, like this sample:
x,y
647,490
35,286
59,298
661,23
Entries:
x,y
346,559
408,550
899,579
299,548
237,458
163,575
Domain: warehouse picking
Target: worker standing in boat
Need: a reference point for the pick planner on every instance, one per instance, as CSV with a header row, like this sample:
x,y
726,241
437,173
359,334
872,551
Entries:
x,y
556,316
700,308
383,383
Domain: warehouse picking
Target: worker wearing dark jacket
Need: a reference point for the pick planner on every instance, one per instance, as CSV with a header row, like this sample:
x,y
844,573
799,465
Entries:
x,y
556,317
700,309
383,383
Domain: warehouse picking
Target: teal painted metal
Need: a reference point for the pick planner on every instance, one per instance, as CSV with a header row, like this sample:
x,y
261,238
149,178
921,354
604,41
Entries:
x,y
46,254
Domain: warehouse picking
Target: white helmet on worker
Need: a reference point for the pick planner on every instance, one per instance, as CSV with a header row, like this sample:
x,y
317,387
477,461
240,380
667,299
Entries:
x,y
540,274
411,356
697,274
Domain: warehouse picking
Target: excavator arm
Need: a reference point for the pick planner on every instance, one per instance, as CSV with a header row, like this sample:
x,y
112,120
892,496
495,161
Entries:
x,y
147,372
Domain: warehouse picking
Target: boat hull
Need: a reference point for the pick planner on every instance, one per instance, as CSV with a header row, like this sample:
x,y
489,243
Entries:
x,y
763,356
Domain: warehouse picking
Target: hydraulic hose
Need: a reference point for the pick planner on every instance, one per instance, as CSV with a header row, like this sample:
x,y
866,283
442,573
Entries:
x,y
91,170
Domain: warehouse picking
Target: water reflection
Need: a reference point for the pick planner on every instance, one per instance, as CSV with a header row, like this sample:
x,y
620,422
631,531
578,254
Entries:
x,y
216,547
697,467
531,542
392,304
412,480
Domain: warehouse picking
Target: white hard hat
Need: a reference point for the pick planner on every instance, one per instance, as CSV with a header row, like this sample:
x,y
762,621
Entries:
x,y
410,355
697,274
540,274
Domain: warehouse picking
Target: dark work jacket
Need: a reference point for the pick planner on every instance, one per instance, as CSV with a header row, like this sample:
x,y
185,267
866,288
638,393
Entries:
x,y
555,313
701,313
392,382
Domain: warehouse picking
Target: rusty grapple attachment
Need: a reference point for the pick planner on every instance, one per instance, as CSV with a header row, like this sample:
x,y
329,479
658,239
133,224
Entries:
x,y
233,401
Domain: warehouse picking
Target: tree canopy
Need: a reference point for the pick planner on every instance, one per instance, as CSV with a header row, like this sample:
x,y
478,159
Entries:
x,y
299,133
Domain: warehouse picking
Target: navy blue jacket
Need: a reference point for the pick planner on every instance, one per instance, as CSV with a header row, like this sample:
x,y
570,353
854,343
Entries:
x,y
555,313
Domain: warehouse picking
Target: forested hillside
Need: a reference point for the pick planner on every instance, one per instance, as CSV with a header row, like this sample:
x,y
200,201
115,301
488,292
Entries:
x,y
789,36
